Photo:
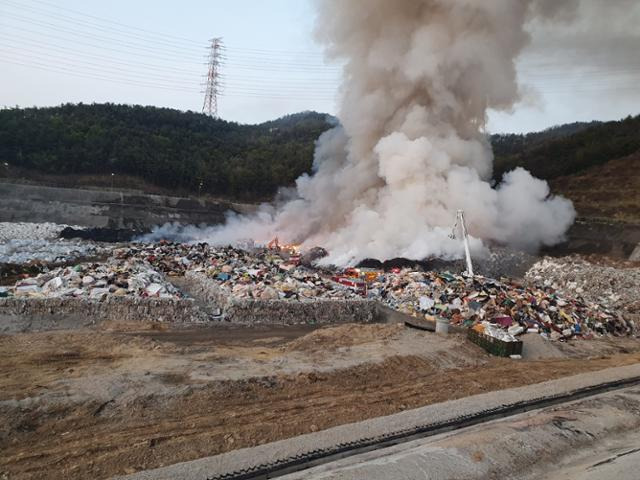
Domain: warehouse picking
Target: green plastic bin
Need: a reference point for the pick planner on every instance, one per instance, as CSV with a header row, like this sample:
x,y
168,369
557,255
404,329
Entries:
x,y
494,345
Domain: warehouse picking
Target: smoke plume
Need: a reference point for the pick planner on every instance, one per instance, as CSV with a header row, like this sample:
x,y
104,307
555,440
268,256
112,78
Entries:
x,y
419,78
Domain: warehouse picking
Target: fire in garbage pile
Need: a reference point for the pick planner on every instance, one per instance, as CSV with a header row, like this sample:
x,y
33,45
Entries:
x,y
96,281
270,274
501,309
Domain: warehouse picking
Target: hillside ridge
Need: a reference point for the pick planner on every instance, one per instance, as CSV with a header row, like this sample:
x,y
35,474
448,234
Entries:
x,y
161,150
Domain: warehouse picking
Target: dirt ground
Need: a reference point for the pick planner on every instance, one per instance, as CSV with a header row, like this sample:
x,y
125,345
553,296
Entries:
x,y
97,403
606,191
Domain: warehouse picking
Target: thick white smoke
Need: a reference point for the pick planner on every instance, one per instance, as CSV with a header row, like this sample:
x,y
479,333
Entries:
x,y
419,78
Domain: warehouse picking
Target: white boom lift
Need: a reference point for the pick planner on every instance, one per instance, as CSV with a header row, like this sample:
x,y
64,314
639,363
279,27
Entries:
x,y
465,239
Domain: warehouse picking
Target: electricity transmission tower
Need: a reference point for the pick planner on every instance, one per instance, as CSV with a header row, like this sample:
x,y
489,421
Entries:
x,y
210,106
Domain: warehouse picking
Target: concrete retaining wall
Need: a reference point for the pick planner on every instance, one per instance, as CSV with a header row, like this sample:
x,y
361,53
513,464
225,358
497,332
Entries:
x,y
287,312
102,208
38,314
35,314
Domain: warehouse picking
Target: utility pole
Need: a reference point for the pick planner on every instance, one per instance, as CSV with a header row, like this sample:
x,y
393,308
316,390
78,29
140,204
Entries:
x,y
210,106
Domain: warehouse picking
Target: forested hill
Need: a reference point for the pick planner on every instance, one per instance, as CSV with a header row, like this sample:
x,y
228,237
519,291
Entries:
x,y
510,143
179,151
165,147
568,149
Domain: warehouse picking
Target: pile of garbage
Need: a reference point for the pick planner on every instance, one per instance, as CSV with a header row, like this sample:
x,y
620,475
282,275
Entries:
x,y
95,281
271,275
617,288
259,273
173,259
508,305
503,309
566,304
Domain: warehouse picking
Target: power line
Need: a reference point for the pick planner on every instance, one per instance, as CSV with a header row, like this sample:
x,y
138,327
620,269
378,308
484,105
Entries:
x,y
246,60
254,51
281,62
131,51
77,60
65,30
71,54
182,79
66,50
267,65
254,73
125,81
95,67
162,36
94,26
171,45
160,81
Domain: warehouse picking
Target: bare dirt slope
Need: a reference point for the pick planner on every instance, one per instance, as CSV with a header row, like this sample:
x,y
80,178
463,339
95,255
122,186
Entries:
x,y
93,404
608,192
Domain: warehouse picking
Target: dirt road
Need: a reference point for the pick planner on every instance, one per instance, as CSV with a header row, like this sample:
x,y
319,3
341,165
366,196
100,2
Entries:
x,y
92,404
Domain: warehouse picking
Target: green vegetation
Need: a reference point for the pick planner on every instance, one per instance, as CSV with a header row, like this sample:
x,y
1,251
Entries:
x,y
568,149
179,151
165,147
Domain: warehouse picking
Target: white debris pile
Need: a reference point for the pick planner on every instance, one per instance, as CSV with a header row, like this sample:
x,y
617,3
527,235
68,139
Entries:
x,y
49,251
497,332
27,242
96,281
29,231
617,288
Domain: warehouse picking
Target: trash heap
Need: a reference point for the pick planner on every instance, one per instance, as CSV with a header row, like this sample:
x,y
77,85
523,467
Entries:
x,y
503,309
617,288
257,273
271,275
172,259
116,278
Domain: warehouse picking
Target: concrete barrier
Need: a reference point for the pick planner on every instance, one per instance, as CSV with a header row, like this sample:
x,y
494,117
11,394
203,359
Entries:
x,y
37,314
105,208
320,311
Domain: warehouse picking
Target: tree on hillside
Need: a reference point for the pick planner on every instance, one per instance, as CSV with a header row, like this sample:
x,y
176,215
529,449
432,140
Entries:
x,y
165,147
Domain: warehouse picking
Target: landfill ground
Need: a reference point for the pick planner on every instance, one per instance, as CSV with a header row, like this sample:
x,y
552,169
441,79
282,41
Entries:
x,y
118,398
594,438
129,397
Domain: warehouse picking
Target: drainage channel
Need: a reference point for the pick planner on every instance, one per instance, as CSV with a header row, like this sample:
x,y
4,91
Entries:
x,y
314,458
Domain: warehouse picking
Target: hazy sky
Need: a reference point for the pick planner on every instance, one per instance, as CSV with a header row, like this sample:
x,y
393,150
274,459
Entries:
x,y
154,53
